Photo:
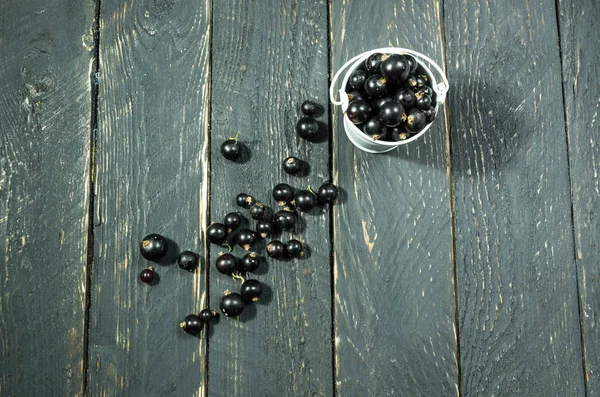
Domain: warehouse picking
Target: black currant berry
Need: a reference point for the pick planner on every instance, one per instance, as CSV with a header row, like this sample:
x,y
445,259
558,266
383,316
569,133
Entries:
x,y
310,108
379,102
373,128
307,128
246,238
188,260
251,290
422,80
412,64
391,113
415,120
429,113
147,276
284,219
217,233
233,220
244,200
406,97
192,324
226,263
207,315
276,249
425,90
412,82
231,149
357,79
249,263
294,249
358,111
394,68
398,133
232,304
292,165
375,86
372,63
258,211
153,247
357,94
423,100
304,200
327,193
264,228
283,193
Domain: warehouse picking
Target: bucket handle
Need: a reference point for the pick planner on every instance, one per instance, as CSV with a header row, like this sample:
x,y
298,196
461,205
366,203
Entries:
x,y
441,89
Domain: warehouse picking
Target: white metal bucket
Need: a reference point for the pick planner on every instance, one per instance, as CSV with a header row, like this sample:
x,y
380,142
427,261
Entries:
x,y
355,135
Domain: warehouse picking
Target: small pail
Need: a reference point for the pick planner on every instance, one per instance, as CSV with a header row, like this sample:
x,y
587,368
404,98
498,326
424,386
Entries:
x,y
356,136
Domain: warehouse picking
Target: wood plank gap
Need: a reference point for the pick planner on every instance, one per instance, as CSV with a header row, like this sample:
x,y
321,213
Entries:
x,y
572,213
92,189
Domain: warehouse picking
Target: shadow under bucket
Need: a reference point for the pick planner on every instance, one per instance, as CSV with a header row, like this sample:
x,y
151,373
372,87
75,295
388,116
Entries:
x,y
355,135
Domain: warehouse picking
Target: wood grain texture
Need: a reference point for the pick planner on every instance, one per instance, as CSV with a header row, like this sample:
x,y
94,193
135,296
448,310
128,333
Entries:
x,y
518,318
45,103
580,45
268,57
394,294
152,177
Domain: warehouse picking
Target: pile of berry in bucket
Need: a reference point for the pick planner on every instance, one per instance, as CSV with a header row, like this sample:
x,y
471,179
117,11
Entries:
x,y
390,97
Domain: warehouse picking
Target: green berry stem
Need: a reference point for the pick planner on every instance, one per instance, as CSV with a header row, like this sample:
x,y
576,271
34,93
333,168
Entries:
x,y
312,191
235,138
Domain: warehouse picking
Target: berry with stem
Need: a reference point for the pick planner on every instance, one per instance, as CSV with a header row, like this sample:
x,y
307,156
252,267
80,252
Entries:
x,y
231,149
294,249
251,290
153,247
192,324
283,193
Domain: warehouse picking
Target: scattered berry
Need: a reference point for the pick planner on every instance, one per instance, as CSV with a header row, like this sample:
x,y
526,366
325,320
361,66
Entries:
x,y
244,200
188,260
233,220
283,193
304,200
231,149
264,228
207,315
327,193
276,249
358,111
284,219
232,304
294,249
226,263
246,238
147,276
250,262
258,211
153,247
307,128
292,165
192,324
216,233
310,108
251,290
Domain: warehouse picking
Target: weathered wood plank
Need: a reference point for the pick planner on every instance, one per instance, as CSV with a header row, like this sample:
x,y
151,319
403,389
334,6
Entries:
x,y
45,104
518,317
580,45
152,177
268,57
394,294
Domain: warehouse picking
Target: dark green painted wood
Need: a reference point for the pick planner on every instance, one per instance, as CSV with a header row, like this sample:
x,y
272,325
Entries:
x,y
580,44
45,103
152,177
518,317
268,57
394,294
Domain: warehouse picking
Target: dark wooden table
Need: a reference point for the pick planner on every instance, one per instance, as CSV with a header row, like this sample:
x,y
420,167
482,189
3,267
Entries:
x,y
464,263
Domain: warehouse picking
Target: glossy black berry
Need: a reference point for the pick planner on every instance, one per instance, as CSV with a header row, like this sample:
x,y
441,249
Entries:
x,y
372,63
292,165
373,128
375,86
217,233
264,228
245,238
192,324
377,103
357,79
232,304
425,90
327,193
244,200
294,249
284,219
249,263
307,128
358,111
188,260
283,193
406,97
258,210
394,68
423,100
231,149
226,263
356,95
422,80
396,134
233,220
412,63
153,247
251,290
304,200
147,276
276,249
391,113
429,113
415,120
411,82
310,108
207,315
